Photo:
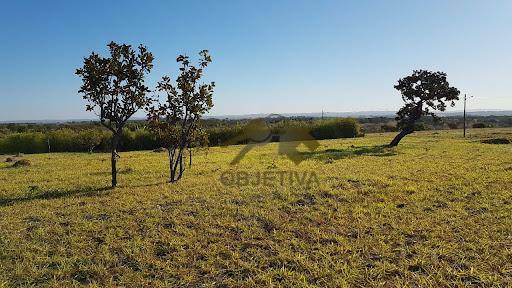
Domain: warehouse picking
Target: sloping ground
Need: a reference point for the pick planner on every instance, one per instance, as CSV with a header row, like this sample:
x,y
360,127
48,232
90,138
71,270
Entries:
x,y
436,211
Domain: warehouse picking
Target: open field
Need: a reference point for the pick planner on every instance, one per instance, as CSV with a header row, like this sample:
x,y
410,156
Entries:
x,y
436,211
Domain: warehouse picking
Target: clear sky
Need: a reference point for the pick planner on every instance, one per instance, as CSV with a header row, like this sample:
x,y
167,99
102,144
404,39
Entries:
x,y
269,56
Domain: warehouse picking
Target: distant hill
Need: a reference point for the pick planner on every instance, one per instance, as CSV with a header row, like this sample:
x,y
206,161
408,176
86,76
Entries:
x,y
366,114
358,114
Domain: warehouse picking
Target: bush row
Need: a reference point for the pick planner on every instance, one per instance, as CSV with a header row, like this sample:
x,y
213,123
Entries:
x,y
319,129
67,140
336,128
98,139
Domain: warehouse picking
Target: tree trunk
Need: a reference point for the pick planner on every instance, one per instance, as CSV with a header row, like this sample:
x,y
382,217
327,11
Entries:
x,y
113,159
176,165
181,166
171,164
190,157
398,138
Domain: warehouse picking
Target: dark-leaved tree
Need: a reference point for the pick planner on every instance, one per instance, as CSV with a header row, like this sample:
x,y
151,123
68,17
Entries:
x,y
114,89
176,120
423,92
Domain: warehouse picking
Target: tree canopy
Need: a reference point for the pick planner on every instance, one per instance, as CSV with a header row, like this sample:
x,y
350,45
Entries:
x,y
176,119
114,88
423,92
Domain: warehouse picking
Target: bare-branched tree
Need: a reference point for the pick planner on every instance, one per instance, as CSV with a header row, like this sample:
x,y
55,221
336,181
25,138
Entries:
x,y
176,120
423,92
114,89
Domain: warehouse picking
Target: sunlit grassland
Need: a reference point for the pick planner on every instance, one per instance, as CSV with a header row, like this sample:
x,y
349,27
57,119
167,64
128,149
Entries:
x,y
436,211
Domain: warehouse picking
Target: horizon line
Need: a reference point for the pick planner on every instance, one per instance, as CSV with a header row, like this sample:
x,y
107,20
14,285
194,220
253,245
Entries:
x,y
363,113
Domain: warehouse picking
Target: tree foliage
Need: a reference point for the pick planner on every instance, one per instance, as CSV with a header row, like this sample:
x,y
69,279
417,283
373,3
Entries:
x,y
114,88
176,119
424,92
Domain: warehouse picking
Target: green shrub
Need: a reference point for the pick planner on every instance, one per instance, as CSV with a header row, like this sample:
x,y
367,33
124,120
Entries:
x,y
453,125
21,163
497,141
30,142
481,125
336,128
93,140
221,135
388,128
61,140
139,139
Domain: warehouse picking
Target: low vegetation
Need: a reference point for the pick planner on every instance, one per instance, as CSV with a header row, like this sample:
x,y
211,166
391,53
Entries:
x,y
481,125
376,217
21,163
497,141
139,137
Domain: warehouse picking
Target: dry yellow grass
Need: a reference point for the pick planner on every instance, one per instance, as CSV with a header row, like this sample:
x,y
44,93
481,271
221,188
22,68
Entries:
x,y
436,211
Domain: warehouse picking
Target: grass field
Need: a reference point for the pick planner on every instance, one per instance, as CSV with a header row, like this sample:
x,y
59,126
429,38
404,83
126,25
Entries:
x,y
436,211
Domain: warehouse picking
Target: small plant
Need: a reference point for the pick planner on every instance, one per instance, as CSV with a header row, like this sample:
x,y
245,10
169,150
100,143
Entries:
x,y
497,141
21,163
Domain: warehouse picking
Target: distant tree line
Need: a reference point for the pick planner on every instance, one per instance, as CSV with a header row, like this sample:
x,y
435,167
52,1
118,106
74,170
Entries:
x,y
91,137
137,136
368,124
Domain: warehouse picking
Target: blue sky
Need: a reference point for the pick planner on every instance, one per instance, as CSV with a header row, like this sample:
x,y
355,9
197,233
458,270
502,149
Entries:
x,y
269,56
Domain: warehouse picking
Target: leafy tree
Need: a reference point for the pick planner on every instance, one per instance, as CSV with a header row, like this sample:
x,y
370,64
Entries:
x,y
176,120
114,89
423,92
90,138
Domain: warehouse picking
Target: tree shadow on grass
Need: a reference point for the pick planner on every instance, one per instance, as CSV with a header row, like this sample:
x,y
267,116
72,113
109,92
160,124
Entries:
x,y
149,184
127,170
35,194
335,154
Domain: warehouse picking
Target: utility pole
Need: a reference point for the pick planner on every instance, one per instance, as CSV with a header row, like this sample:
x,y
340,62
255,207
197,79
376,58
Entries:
x,y
465,98
322,114
465,115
